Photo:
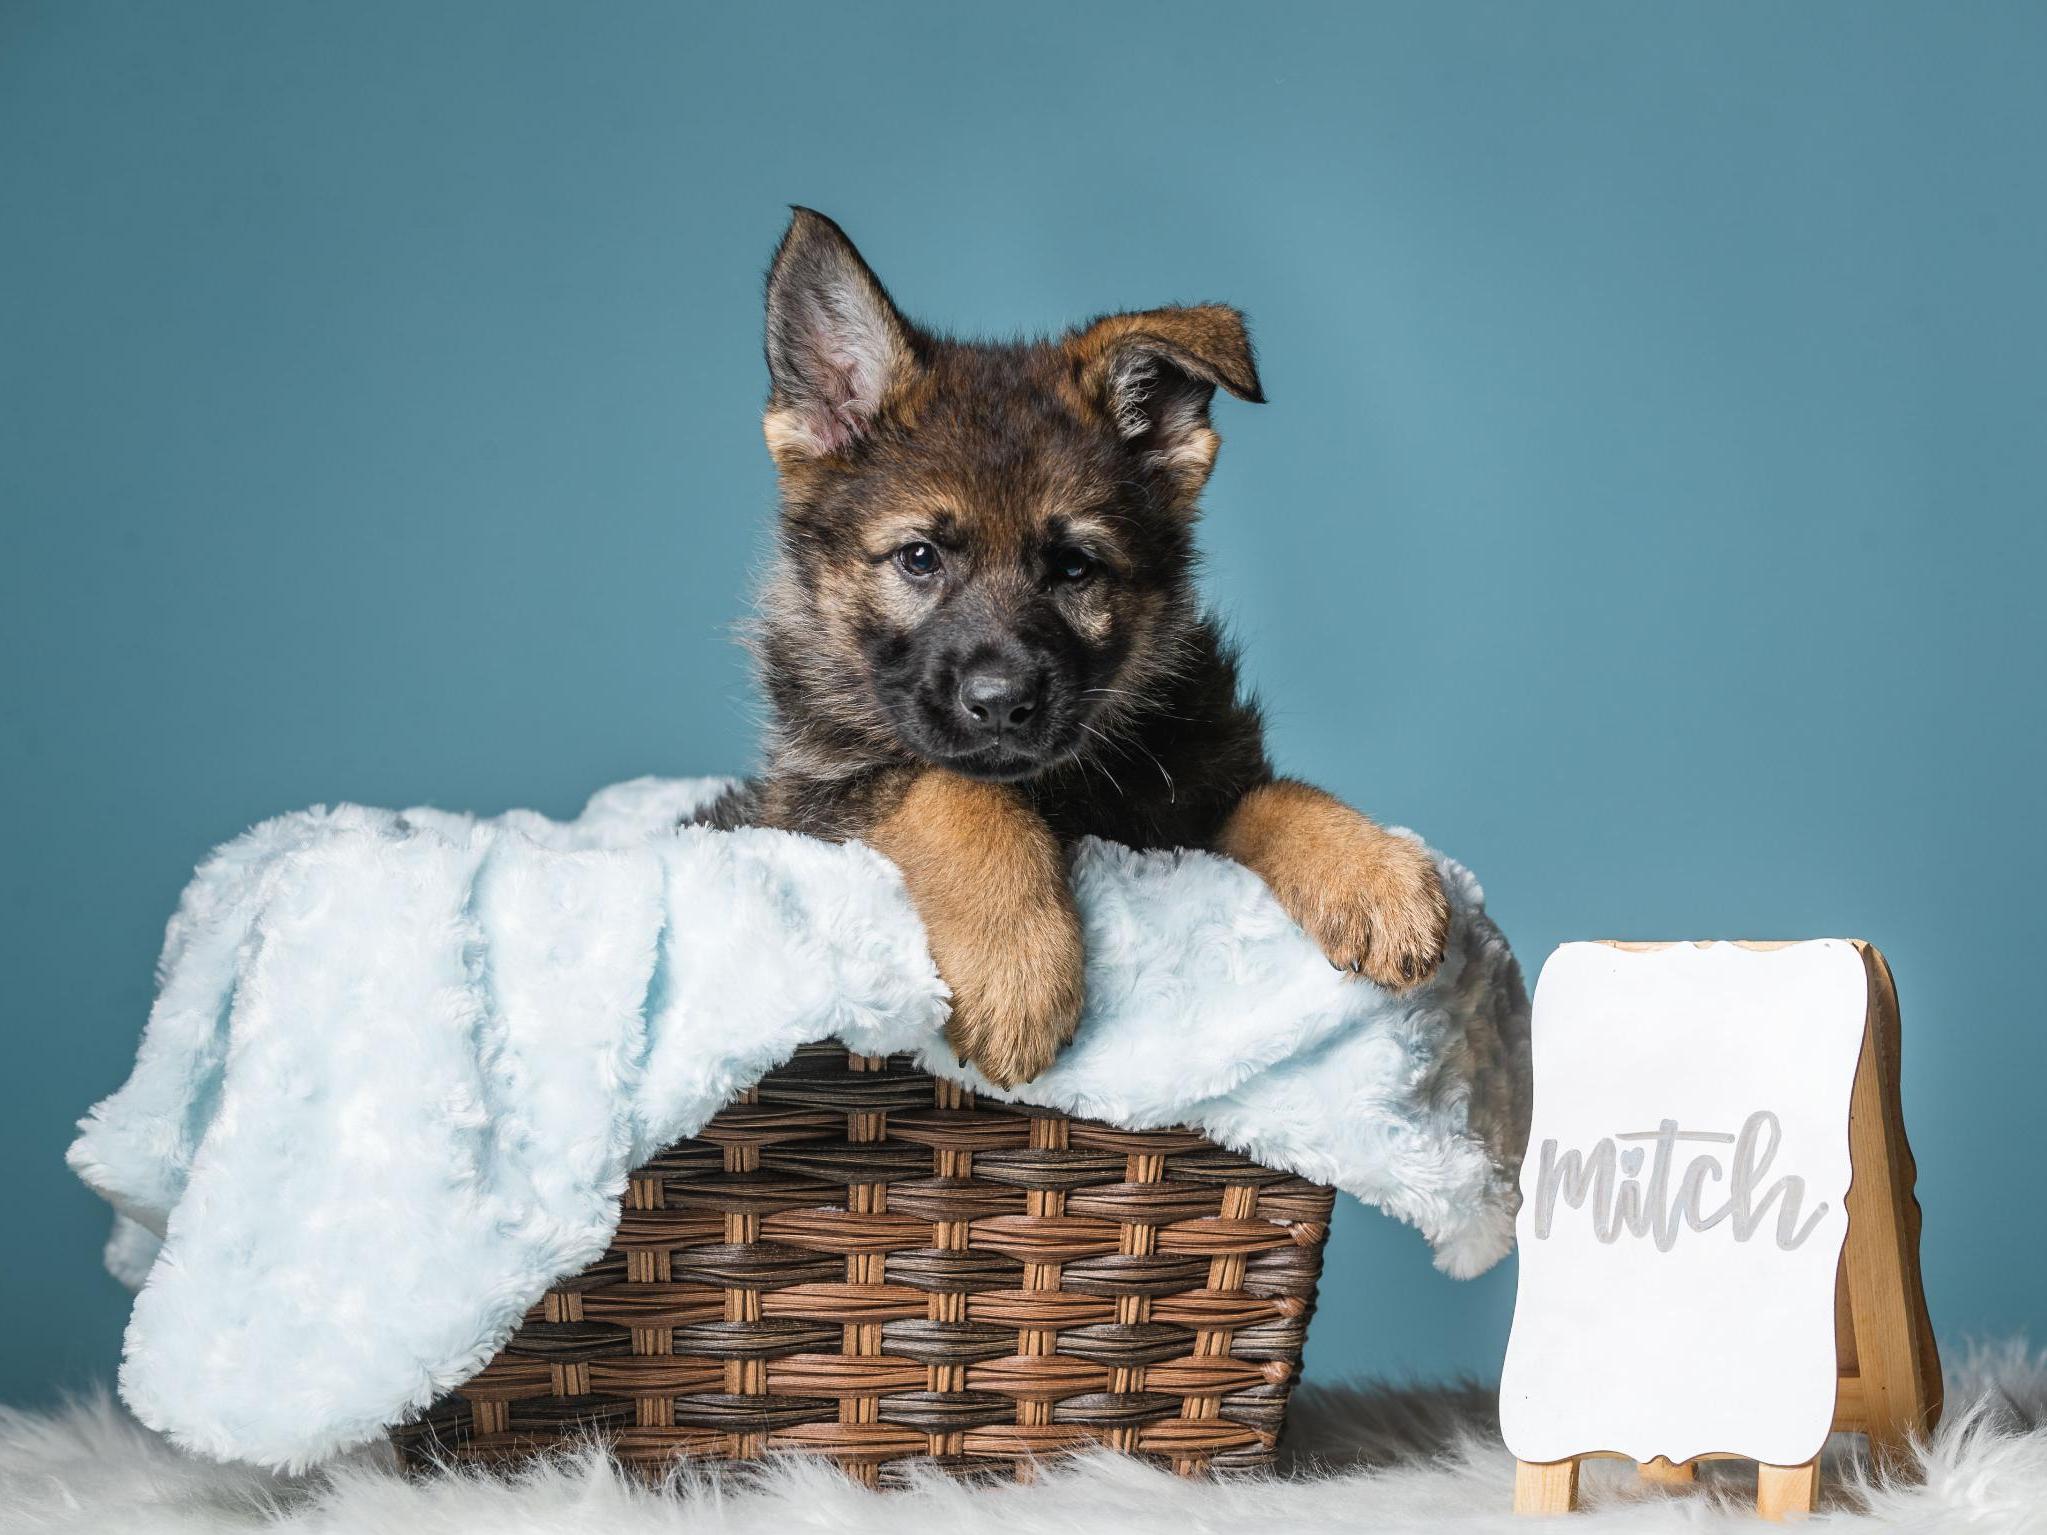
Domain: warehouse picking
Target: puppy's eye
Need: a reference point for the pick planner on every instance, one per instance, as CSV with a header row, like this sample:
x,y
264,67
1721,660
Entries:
x,y
917,559
1071,565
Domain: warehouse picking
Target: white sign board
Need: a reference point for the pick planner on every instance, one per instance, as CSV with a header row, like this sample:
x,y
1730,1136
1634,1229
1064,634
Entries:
x,y
1683,1202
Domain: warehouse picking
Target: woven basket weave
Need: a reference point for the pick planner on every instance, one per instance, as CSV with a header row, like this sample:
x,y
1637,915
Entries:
x,y
857,1260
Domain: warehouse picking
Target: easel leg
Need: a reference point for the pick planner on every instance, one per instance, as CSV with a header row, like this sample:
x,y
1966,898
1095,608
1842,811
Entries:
x,y
1786,1490
1666,1473
1545,1487
1897,1369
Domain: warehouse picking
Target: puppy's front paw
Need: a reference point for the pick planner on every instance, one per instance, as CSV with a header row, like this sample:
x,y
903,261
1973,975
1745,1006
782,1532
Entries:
x,y
1016,993
1371,900
989,880
1384,918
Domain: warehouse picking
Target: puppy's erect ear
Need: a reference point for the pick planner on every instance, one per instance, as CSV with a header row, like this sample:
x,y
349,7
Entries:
x,y
837,346
1154,373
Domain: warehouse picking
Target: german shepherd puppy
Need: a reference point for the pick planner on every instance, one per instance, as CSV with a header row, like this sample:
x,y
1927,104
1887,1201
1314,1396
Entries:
x,y
980,640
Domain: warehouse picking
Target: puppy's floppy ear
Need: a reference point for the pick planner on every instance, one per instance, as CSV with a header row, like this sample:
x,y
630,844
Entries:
x,y
837,346
1153,374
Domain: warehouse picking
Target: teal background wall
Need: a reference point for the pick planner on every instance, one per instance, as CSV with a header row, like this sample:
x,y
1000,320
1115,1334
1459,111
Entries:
x,y
1650,505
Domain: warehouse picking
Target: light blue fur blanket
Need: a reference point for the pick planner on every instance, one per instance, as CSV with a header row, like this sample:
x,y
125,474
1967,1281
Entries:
x,y
399,1066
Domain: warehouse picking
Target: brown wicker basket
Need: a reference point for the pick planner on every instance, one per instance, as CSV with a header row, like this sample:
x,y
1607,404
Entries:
x,y
858,1260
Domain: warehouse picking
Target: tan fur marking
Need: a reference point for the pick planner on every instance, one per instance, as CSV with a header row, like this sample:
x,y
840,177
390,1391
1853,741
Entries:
x,y
786,436
1193,459
989,879
1092,622
1103,539
1371,900
912,512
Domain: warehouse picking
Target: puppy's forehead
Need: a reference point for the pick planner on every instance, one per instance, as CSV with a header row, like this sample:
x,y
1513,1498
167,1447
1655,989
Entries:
x,y
1000,445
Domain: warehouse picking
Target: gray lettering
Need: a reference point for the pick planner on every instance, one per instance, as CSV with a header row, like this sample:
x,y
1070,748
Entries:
x,y
1622,1199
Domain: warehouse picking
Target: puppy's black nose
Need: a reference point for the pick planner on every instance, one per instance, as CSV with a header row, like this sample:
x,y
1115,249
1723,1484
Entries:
x,y
995,697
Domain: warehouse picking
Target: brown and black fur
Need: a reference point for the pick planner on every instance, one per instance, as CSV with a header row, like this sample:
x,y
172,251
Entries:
x,y
1052,486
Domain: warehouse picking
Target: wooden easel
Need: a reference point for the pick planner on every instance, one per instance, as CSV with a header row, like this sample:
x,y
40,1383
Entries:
x,y
1889,1382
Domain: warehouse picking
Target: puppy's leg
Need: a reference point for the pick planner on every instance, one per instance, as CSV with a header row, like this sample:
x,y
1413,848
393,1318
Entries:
x,y
989,880
1370,899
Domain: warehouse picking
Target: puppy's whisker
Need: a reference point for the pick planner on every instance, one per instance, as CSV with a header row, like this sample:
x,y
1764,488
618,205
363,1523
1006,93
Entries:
x,y
1172,791
1142,705
1079,760
1103,765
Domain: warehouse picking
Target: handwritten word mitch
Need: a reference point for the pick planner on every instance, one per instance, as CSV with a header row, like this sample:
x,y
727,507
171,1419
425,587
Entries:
x,y
1659,1205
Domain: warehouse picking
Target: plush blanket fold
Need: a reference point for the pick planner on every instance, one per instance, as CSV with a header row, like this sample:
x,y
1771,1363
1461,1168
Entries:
x,y
399,1066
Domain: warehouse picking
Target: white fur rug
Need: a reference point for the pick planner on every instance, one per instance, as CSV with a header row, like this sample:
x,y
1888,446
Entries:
x,y
1377,1459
